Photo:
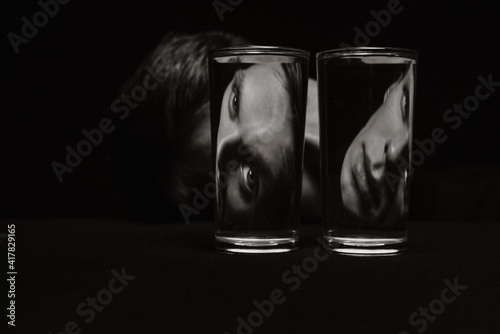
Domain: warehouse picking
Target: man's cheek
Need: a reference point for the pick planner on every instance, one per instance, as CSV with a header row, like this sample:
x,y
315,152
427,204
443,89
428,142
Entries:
x,y
350,195
234,201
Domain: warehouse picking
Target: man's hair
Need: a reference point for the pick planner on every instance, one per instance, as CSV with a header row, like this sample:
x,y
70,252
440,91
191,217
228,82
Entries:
x,y
159,153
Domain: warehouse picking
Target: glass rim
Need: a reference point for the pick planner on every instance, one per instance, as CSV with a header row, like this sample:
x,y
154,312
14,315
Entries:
x,y
368,51
260,50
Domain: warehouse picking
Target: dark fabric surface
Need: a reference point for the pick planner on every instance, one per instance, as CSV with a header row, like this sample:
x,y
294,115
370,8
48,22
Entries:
x,y
182,285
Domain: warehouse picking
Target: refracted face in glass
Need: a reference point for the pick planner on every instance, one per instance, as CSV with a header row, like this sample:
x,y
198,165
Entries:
x,y
255,144
373,180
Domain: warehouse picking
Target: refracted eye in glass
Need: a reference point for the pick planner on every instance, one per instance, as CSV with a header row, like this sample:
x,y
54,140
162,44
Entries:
x,y
405,104
235,102
249,180
234,99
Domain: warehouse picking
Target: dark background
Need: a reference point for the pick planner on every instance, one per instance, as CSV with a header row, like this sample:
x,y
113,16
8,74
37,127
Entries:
x,y
65,78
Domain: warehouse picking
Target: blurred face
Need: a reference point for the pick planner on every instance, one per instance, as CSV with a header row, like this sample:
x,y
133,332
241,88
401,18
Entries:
x,y
372,180
255,139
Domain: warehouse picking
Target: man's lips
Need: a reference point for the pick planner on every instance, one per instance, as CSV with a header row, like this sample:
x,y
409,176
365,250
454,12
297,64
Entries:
x,y
360,180
368,179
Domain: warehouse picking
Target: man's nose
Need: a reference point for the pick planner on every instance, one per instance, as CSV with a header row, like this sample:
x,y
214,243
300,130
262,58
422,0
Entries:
x,y
398,145
375,157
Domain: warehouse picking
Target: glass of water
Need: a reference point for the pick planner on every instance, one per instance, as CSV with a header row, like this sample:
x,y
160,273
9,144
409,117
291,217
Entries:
x,y
257,103
366,103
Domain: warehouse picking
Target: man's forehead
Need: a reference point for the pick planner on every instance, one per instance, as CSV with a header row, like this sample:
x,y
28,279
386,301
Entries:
x,y
263,93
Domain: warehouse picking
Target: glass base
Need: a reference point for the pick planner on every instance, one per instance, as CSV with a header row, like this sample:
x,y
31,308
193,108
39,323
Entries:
x,y
256,243
368,244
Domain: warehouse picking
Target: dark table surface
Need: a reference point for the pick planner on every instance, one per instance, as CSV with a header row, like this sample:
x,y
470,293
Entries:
x,y
173,281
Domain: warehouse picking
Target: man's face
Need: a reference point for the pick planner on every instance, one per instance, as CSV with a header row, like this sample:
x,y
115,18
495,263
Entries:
x,y
255,138
366,187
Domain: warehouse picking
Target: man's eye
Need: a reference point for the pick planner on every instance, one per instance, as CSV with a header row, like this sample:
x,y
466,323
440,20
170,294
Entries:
x,y
250,178
235,102
405,105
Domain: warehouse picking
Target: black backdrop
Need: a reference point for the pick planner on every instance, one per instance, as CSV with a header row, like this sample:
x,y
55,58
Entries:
x,y
65,78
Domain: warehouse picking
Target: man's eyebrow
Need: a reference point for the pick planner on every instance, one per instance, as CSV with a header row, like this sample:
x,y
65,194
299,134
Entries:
x,y
261,163
236,149
403,75
238,81
236,89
